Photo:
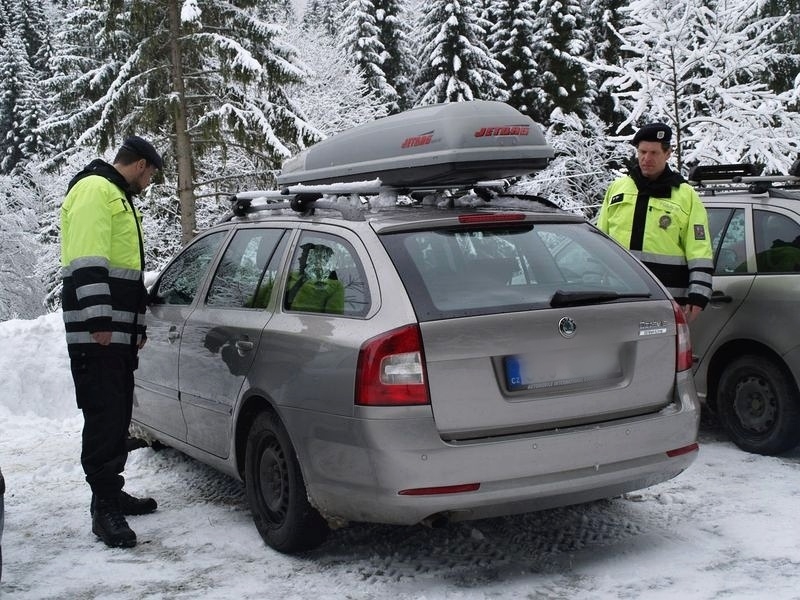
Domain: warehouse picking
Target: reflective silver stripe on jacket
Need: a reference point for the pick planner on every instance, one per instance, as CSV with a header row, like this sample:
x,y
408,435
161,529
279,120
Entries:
x,y
132,274
701,263
92,289
659,259
84,262
118,316
84,337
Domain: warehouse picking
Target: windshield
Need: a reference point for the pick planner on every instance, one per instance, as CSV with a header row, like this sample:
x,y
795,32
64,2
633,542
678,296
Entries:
x,y
486,269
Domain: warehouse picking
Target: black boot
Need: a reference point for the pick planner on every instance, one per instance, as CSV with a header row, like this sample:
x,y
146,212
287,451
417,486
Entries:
x,y
108,523
131,505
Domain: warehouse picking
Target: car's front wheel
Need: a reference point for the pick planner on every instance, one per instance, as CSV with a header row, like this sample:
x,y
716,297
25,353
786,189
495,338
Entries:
x,y
276,491
759,406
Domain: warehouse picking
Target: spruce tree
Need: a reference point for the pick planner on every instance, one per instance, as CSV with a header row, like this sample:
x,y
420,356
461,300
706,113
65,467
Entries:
x,y
605,18
562,79
361,40
20,107
512,36
202,79
455,63
399,63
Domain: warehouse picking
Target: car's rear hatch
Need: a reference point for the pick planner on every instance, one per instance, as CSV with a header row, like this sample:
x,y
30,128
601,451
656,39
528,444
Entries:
x,y
534,326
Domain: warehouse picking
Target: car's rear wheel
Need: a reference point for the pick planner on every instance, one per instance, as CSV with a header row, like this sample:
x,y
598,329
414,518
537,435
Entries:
x,y
759,405
276,491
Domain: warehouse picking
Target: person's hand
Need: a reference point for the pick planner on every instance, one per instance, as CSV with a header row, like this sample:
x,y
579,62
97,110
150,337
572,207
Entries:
x,y
102,337
690,311
142,343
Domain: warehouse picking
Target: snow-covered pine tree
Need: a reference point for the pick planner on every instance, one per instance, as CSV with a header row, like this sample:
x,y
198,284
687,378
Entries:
x,y
30,20
202,78
698,66
455,64
400,63
360,40
20,106
513,34
562,79
604,18
783,73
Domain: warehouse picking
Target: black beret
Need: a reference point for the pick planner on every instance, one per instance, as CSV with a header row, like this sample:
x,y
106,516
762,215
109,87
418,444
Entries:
x,y
143,149
653,132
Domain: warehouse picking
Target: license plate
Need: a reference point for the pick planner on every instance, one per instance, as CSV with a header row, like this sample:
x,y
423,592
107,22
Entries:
x,y
557,369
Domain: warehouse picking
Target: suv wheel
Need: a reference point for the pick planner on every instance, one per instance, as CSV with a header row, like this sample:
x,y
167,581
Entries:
x,y
276,492
759,406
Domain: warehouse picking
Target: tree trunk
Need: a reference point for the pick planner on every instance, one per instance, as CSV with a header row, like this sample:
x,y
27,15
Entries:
x,y
183,143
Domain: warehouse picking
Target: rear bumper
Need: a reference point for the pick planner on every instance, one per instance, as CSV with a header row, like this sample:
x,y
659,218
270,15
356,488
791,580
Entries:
x,y
373,459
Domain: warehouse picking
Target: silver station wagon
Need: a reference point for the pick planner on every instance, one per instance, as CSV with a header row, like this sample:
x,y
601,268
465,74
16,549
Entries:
x,y
398,339
747,341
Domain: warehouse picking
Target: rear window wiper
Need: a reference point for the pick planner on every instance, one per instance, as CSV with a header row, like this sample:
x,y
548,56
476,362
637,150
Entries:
x,y
562,298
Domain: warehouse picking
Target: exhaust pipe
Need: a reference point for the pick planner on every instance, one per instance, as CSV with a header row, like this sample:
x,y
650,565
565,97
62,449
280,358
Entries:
x,y
436,521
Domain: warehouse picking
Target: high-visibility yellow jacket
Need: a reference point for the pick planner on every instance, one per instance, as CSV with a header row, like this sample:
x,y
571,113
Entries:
x,y
102,263
669,235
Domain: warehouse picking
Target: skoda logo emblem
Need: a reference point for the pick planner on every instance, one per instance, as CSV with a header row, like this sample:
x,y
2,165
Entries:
x,y
567,327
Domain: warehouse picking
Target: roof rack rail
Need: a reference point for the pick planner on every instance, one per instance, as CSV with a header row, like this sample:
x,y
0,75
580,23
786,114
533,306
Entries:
x,y
304,199
746,174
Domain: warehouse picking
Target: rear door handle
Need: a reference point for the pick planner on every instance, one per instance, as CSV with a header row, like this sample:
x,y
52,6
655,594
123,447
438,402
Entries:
x,y
719,297
173,334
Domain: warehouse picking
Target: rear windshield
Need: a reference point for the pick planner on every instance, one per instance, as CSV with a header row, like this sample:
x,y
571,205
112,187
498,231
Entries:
x,y
486,269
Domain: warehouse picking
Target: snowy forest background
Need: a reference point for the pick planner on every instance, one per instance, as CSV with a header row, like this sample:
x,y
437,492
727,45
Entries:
x,y
228,90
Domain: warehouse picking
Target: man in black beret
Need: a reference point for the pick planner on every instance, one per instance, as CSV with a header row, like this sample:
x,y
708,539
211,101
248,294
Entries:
x,y
659,217
103,301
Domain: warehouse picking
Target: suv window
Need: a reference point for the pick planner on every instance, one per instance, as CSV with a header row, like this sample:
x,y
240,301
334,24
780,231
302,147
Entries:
x,y
326,276
777,242
728,240
180,280
242,268
485,270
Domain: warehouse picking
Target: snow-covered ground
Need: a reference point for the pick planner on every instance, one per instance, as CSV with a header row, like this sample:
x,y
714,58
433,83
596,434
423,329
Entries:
x,y
726,528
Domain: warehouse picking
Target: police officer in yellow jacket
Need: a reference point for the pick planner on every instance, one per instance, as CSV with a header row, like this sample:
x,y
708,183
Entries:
x,y
659,217
103,301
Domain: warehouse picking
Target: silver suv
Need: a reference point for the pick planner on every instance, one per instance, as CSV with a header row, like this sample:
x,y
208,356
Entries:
x,y
439,356
747,341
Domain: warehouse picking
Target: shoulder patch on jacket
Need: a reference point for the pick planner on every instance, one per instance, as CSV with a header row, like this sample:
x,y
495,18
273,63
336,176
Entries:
x,y
699,232
617,198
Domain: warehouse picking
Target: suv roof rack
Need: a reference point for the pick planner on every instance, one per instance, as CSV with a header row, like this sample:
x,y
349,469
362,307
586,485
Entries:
x,y
305,199
738,176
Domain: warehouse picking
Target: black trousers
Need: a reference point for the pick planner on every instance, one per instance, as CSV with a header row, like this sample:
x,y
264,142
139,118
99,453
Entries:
x,y
104,392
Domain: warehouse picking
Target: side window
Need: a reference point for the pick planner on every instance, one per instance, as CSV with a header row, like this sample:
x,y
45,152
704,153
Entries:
x,y
180,281
241,269
326,276
777,242
728,240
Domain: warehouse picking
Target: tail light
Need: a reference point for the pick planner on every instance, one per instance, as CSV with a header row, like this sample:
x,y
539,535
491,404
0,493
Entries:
x,y
683,344
391,370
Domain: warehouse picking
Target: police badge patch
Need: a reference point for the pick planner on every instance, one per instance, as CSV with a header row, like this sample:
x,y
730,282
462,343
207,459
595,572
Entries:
x,y
699,232
665,221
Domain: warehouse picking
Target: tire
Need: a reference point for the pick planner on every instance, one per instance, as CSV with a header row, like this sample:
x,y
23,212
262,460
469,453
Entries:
x,y
276,492
759,406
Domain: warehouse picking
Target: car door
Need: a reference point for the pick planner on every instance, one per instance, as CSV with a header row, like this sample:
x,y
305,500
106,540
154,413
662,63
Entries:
x,y
221,336
172,300
734,272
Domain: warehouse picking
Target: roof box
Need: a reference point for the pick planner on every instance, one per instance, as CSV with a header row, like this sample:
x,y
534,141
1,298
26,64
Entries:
x,y
442,145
